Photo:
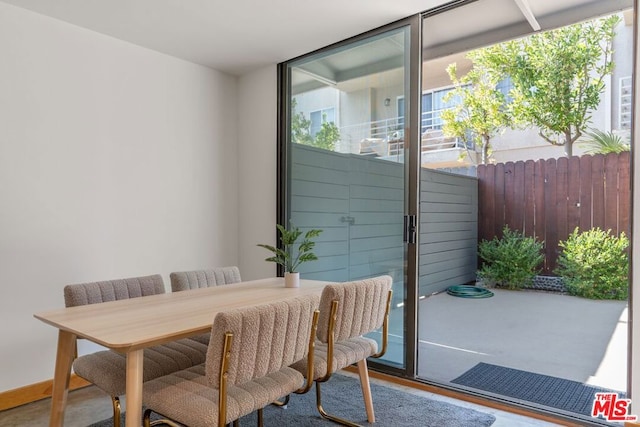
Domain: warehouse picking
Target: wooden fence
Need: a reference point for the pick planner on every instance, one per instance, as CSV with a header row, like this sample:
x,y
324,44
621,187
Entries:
x,y
548,199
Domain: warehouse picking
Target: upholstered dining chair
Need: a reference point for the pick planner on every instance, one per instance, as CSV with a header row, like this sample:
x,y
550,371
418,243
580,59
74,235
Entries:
x,y
348,311
247,366
107,369
185,280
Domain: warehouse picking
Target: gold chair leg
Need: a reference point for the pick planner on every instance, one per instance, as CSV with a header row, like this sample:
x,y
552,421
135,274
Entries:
x,y
115,401
283,403
236,423
328,416
260,418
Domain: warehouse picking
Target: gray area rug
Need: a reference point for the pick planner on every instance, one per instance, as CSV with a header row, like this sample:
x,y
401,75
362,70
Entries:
x,y
545,390
341,396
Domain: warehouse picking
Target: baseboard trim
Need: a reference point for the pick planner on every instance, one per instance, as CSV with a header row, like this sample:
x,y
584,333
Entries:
x,y
466,397
34,392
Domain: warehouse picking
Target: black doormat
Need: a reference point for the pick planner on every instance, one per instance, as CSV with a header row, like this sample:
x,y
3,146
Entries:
x,y
567,395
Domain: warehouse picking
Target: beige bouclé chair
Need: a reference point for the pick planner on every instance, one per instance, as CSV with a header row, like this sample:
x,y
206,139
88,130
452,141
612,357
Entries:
x,y
107,369
348,311
247,366
185,280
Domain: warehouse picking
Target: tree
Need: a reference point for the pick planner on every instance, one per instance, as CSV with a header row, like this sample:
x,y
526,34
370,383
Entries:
x,y
300,126
325,138
480,110
558,77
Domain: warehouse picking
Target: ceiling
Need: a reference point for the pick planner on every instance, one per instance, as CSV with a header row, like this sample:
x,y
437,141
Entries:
x,y
241,35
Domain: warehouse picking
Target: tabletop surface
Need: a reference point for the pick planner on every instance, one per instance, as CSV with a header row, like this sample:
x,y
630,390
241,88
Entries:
x,y
140,322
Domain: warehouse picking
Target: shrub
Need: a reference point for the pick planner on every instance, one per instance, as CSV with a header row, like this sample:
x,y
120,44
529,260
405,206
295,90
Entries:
x,y
594,264
511,261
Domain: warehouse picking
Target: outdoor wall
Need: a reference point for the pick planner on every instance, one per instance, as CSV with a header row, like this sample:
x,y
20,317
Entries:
x,y
448,230
115,161
358,202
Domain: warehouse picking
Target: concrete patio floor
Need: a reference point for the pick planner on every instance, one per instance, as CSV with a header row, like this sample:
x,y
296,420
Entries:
x,y
542,332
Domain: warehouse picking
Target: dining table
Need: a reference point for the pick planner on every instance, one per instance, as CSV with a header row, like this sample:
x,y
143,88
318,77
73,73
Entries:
x,y
129,326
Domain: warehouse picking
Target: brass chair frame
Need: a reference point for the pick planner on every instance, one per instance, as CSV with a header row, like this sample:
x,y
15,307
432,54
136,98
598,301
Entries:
x,y
362,366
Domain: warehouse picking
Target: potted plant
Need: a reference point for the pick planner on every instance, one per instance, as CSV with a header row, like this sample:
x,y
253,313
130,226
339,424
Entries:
x,y
289,258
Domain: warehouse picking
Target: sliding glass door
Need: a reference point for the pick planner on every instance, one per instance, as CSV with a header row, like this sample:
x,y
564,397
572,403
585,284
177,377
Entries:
x,y
345,163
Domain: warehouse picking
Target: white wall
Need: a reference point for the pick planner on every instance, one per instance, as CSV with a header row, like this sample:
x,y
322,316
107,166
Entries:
x,y
257,127
115,161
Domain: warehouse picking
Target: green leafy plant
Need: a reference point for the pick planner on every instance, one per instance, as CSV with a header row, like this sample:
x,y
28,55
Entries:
x,y
480,111
289,256
511,261
594,264
599,142
558,77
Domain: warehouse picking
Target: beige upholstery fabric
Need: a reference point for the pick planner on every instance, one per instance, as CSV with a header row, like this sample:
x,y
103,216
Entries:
x,y
361,309
266,339
107,369
185,280
111,290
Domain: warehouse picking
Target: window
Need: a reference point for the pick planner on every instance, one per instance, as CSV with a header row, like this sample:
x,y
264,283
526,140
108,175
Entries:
x,y
318,117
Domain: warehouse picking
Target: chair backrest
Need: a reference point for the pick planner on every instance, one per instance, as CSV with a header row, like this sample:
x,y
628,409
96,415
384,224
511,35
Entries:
x,y
185,280
111,290
266,338
362,306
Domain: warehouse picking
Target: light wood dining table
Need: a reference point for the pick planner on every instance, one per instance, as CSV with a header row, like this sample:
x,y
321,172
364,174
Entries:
x,y
131,325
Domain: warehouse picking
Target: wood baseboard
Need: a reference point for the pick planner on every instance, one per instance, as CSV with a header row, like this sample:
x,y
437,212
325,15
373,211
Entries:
x,y
34,392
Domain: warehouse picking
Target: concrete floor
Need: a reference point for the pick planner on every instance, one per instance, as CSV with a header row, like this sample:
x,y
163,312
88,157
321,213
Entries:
x,y
89,405
546,333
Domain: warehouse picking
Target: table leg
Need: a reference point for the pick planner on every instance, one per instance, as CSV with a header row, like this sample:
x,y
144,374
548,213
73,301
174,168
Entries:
x,y
133,415
64,360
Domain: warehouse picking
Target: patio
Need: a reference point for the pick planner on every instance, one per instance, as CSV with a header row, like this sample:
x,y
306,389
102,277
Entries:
x,y
547,333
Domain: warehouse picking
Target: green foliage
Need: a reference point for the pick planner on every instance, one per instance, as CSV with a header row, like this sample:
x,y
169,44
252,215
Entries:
x,y
600,142
326,137
558,76
511,261
594,264
289,257
300,126
480,109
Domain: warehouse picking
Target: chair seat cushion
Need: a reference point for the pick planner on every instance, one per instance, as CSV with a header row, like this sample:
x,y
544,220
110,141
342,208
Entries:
x,y
107,369
187,398
345,353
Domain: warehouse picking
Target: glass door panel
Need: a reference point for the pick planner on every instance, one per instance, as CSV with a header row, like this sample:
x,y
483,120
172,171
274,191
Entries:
x,y
346,164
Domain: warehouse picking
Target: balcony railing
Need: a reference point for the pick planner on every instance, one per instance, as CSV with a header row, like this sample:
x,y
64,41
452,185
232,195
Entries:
x,y
386,137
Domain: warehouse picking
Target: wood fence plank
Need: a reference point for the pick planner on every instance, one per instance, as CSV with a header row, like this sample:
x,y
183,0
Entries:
x,y
529,198
551,230
611,193
597,186
573,195
509,196
519,196
586,192
498,208
485,202
539,213
624,197
562,197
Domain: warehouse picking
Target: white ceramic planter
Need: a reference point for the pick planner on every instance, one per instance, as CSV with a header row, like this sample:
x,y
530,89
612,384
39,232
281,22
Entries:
x,y
291,280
